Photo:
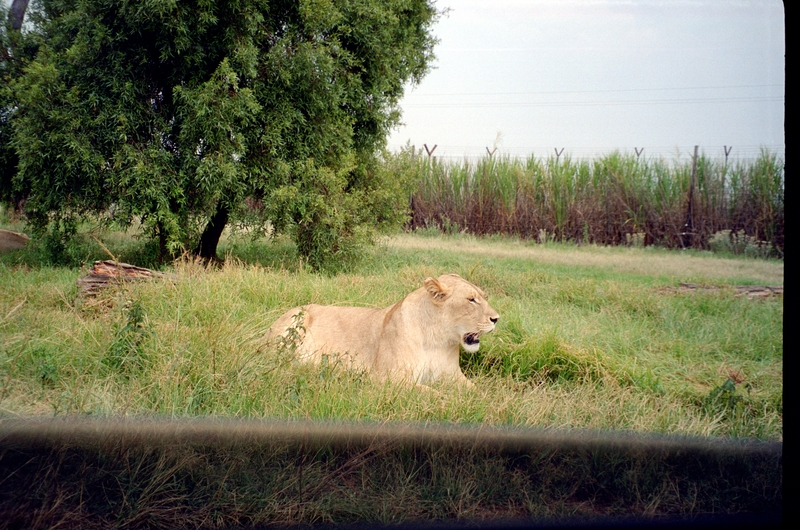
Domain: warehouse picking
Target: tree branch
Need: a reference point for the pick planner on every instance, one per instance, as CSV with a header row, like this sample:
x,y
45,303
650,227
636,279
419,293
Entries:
x,y
17,13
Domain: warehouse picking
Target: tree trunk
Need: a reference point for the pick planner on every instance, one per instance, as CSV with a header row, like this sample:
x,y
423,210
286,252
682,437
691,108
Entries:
x,y
162,242
17,13
207,249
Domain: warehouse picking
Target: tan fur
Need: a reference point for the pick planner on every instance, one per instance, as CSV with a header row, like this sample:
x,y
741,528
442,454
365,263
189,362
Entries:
x,y
415,340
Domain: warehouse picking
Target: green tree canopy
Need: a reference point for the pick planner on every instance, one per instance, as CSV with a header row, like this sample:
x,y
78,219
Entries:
x,y
181,112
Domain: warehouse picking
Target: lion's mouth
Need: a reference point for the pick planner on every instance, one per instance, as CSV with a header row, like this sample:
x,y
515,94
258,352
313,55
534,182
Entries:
x,y
471,342
471,339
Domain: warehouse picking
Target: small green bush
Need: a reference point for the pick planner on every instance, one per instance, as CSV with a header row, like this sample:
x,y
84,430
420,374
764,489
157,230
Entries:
x,y
739,243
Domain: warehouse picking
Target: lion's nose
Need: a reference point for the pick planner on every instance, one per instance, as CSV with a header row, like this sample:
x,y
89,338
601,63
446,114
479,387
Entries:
x,y
494,319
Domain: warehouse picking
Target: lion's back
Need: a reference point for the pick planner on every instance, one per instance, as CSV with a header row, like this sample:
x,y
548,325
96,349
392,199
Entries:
x,y
323,330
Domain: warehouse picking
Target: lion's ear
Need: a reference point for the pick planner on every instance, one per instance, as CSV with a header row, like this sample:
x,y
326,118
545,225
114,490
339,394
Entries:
x,y
436,290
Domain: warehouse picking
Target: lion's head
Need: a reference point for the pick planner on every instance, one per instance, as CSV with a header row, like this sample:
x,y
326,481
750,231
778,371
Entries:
x,y
463,310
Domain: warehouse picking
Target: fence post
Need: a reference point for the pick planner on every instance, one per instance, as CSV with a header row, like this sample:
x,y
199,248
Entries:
x,y
688,227
728,150
430,151
608,216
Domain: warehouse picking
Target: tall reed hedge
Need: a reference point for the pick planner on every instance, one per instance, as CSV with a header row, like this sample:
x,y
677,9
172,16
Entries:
x,y
615,199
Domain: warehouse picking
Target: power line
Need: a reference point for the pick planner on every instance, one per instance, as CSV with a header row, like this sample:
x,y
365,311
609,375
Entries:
x,y
593,91
595,103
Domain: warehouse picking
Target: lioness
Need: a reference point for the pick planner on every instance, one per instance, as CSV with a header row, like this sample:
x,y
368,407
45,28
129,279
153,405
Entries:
x,y
415,340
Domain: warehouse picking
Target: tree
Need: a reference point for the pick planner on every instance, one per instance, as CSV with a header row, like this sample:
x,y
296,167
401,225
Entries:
x,y
182,113
13,56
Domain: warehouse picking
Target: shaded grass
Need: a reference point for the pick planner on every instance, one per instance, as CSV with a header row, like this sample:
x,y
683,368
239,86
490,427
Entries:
x,y
135,474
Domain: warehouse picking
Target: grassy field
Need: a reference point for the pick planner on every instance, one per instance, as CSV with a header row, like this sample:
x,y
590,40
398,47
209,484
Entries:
x,y
589,338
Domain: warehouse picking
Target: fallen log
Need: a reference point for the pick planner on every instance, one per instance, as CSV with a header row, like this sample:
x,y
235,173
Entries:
x,y
109,272
12,241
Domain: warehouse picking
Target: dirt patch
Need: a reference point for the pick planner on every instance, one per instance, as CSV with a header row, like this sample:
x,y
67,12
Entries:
x,y
750,291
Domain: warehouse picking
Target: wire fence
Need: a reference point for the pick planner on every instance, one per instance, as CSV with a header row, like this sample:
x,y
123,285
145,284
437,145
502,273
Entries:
x,y
665,153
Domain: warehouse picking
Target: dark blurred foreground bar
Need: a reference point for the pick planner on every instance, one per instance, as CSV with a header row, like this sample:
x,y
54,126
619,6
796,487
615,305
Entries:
x,y
210,473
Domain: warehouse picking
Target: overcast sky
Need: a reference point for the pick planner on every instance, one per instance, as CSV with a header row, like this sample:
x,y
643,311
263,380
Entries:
x,y
591,76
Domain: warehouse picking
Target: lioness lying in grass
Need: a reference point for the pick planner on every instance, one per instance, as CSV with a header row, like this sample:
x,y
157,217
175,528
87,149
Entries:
x,y
415,340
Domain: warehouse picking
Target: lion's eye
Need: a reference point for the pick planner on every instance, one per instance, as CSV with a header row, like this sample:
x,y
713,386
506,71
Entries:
x,y
472,300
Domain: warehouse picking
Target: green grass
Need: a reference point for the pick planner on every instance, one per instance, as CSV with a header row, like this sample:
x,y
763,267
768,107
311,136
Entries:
x,y
589,337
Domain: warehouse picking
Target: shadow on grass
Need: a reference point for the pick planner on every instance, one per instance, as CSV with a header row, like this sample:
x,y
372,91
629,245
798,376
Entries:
x,y
224,474
84,248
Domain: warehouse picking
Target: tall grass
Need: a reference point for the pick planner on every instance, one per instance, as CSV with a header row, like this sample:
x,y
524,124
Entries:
x,y
579,345
589,338
615,199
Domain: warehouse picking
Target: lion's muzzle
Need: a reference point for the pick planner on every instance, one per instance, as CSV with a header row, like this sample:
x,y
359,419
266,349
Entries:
x,y
472,341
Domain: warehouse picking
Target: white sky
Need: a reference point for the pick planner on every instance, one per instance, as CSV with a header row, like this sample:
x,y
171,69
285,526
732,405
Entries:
x,y
592,76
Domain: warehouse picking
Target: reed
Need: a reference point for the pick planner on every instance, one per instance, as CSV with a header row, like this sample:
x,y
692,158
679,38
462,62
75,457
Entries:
x,y
615,199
